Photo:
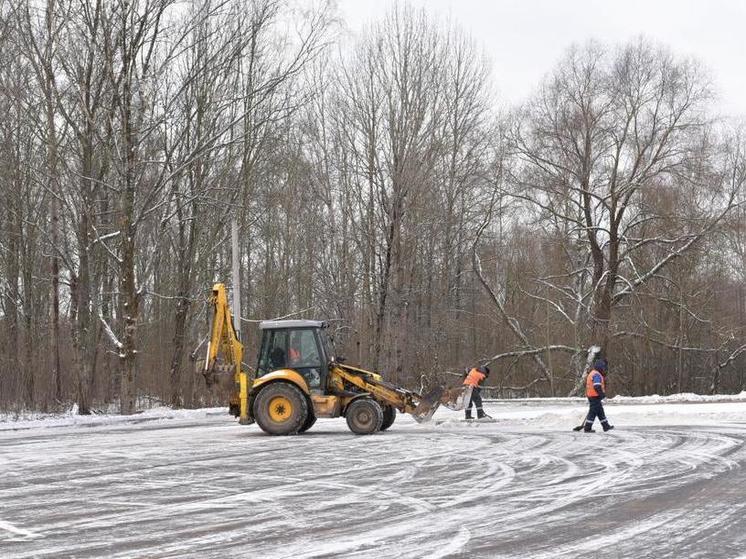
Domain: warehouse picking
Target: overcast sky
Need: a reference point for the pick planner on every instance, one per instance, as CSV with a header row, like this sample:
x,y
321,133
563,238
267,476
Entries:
x,y
525,38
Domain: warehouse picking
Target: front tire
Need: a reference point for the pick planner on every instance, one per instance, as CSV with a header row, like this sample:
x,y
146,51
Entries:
x,y
364,416
281,409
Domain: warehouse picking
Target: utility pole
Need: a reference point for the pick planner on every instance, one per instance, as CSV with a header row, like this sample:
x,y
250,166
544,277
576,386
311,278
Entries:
x,y
235,261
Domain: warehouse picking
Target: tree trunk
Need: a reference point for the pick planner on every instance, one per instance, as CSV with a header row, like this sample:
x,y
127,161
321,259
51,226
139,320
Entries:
x,y
129,312
182,309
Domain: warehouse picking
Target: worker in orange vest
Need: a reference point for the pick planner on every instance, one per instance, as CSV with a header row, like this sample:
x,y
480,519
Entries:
x,y
294,353
474,378
595,391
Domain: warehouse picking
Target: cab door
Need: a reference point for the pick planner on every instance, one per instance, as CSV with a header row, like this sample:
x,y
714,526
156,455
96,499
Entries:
x,y
297,349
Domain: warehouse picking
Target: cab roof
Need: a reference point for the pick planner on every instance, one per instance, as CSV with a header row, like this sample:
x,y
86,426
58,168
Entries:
x,y
278,324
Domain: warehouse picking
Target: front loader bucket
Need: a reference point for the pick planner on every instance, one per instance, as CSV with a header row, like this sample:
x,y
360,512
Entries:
x,y
428,404
456,398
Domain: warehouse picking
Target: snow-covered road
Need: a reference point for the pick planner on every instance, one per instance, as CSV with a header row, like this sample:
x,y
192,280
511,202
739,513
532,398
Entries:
x,y
670,481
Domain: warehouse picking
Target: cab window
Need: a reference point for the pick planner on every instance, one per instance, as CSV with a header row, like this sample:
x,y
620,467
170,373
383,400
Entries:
x,y
302,350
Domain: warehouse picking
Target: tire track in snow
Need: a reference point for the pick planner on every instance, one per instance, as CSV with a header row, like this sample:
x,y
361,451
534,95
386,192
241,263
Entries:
x,y
416,491
15,533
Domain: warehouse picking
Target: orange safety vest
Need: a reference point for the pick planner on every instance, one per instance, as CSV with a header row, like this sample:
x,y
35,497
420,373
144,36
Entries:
x,y
590,390
294,355
474,378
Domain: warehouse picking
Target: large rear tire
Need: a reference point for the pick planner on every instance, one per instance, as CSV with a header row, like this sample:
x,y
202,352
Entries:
x,y
389,415
281,409
364,416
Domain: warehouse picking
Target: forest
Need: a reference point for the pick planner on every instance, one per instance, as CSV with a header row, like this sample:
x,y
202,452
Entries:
x,y
378,182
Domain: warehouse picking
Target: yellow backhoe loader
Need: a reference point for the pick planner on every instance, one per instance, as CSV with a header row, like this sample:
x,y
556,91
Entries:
x,y
298,379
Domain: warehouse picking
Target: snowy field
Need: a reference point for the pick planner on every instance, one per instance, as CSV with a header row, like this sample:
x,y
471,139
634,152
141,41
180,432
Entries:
x,y
670,481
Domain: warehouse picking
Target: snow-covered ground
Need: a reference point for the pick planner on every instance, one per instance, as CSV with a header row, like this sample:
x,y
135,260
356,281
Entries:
x,y
670,481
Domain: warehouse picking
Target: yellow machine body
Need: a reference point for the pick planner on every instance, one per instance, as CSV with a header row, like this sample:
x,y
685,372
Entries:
x,y
287,393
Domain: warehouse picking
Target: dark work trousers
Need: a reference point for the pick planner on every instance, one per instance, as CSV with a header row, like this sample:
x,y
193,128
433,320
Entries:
x,y
476,399
596,411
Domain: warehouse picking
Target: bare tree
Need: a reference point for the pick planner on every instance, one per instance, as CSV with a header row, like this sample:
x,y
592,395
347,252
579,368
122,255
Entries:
x,y
608,135
381,188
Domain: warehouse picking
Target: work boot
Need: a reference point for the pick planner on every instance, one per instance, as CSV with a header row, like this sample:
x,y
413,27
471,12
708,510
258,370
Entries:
x,y
607,427
482,415
588,428
468,414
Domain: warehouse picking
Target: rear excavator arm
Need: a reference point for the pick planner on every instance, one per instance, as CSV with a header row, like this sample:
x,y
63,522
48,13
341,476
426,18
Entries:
x,y
225,351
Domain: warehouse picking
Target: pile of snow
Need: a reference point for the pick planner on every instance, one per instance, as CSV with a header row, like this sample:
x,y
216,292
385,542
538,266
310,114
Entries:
x,y
686,397
683,398
30,420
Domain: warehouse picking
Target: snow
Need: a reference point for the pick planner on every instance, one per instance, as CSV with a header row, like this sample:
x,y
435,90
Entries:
x,y
558,412
668,482
685,397
525,408
107,237
110,333
37,420
15,533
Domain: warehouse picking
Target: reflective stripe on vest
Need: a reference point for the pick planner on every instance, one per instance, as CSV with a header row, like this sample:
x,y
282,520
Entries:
x,y
590,390
474,378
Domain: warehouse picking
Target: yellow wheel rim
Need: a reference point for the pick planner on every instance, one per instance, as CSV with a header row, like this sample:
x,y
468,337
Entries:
x,y
280,409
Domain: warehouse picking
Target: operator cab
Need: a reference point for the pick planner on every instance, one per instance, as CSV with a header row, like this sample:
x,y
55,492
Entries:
x,y
301,345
